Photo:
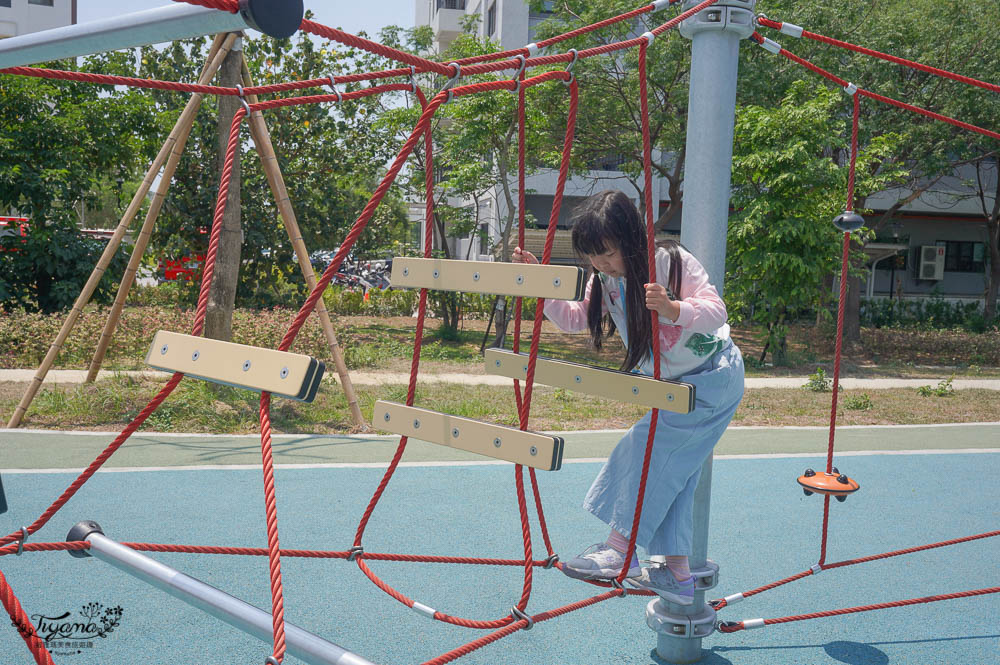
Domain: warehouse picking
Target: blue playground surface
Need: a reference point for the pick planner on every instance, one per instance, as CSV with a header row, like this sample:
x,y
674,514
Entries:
x,y
762,529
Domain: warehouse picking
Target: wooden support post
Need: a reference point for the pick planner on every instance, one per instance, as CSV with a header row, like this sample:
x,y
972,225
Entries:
x,y
269,160
102,264
177,141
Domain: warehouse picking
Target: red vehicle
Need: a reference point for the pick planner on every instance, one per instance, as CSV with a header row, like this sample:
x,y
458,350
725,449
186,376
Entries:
x,y
16,227
186,268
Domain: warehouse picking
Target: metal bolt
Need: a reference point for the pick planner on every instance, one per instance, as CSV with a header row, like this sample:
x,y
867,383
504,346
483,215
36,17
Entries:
x,y
454,432
196,355
437,273
387,417
520,279
670,398
475,277
557,282
284,372
246,365
525,368
635,390
163,350
498,363
533,450
496,442
416,424
578,378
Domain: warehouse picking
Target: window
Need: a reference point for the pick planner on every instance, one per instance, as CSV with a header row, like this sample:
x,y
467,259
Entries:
x,y
4,3
40,3
964,256
451,4
491,20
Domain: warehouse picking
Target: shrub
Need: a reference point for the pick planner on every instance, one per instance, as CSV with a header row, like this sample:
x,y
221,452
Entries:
x,y
944,389
862,402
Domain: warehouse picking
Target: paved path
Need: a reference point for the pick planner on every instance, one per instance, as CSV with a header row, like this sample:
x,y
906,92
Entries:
x,y
375,378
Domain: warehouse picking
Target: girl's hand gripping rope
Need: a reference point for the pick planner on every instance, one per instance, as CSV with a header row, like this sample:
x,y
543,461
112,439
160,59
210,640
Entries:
x,y
523,256
659,301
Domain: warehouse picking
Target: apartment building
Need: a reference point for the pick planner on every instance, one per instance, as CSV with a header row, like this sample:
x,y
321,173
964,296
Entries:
x,y
20,17
937,245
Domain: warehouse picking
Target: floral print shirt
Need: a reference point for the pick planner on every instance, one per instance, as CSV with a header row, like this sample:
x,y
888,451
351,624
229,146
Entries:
x,y
699,331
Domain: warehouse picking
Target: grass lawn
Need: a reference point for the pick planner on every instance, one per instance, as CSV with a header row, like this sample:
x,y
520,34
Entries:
x,y
386,344
196,406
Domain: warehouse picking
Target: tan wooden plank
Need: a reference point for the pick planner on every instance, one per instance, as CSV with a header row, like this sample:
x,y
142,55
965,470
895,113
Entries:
x,y
510,279
292,375
622,386
540,451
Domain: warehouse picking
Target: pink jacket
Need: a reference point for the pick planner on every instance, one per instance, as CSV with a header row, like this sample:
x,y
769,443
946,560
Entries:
x,y
699,331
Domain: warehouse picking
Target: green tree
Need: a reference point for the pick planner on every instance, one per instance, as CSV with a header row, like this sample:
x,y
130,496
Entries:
x,y
955,36
787,189
331,155
61,143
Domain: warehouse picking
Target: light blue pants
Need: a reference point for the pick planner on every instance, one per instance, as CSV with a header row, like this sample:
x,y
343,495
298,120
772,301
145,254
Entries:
x,y
681,445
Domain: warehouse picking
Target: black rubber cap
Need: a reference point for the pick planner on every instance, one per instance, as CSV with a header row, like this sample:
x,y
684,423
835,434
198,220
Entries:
x,y
849,221
809,473
842,498
806,492
842,479
275,18
80,532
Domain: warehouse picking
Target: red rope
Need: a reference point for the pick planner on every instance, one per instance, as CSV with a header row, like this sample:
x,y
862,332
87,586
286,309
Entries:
x,y
844,269
308,554
885,56
19,619
885,100
231,6
738,626
651,267
719,604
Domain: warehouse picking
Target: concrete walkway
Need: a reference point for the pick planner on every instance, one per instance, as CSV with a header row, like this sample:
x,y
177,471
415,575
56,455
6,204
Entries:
x,y
376,378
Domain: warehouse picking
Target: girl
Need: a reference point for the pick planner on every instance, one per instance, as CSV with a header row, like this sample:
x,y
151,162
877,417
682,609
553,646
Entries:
x,y
694,347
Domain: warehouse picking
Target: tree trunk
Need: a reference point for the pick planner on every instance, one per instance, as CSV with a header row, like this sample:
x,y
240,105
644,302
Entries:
x,y
222,293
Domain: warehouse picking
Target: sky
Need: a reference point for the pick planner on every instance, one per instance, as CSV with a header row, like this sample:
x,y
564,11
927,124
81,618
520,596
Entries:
x,y
346,15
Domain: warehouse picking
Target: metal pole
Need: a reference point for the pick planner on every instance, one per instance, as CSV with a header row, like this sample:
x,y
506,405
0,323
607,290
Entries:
x,y
301,644
715,35
277,18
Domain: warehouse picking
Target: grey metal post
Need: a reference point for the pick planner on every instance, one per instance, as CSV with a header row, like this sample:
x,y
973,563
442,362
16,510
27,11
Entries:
x,y
300,643
715,35
277,18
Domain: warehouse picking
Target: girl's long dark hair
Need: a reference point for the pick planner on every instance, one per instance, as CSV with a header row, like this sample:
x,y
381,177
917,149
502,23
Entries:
x,y
609,220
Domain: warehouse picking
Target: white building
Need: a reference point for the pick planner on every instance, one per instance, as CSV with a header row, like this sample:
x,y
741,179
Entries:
x,y
20,17
947,215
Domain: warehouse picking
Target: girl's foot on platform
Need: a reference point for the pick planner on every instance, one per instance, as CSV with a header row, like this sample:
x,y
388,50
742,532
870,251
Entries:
x,y
659,580
599,562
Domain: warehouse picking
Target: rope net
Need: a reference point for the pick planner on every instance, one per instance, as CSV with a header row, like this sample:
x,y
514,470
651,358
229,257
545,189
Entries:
x,y
520,60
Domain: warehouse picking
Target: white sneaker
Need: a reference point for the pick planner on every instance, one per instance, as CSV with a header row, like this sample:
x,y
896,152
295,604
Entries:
x,y
661,581
600,562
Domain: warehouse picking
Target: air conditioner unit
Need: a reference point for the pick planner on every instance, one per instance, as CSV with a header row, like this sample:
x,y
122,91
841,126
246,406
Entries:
x,y
931,262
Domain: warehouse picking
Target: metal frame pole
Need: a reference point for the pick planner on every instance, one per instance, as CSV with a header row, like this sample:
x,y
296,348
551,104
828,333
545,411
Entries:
x,y
277,18
715,35
252,620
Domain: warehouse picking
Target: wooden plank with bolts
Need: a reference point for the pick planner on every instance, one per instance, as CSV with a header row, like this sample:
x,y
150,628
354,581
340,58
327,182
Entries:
x,y
282,373
509,279
539,451
622,386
